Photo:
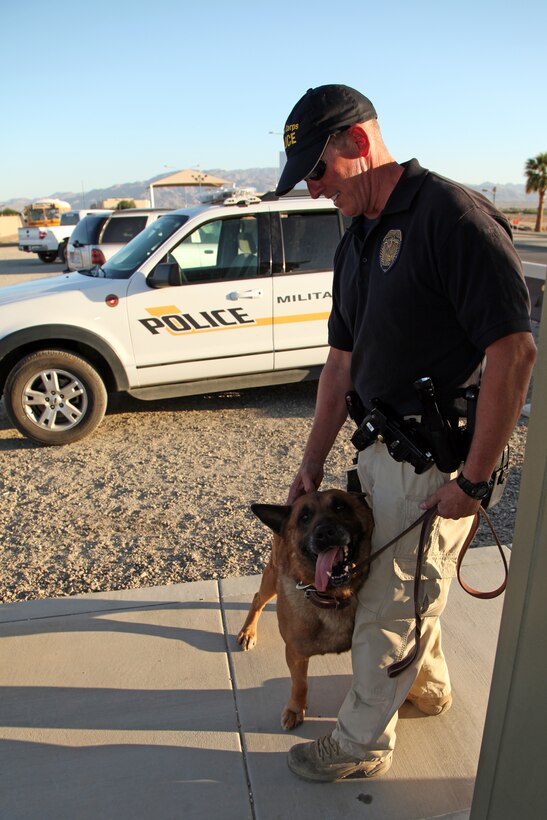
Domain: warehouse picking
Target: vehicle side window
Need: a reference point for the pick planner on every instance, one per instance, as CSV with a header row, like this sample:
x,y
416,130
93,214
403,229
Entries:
x,y
70,218
309,240
220,250
122,230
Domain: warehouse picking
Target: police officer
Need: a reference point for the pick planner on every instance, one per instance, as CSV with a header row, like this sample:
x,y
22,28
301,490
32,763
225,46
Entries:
x,y
426,284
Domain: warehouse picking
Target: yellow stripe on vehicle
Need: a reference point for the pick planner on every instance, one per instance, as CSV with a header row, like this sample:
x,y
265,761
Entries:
x,y
301,317
162,310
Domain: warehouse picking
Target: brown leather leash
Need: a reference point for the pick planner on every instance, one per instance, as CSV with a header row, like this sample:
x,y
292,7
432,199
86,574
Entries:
x,y
426,519
326,601
472,532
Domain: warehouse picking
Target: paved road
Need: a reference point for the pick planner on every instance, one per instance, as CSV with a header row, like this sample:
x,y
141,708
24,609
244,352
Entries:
x,y
16,266
532,247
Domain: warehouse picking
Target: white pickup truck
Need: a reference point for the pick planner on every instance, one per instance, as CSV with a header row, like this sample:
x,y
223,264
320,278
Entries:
x,y
50,242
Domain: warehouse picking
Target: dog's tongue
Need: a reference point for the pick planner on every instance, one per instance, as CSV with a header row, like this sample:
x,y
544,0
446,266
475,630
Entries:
x,y
324,564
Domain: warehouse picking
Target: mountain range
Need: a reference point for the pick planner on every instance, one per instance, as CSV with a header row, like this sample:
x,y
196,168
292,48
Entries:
x,y
509,195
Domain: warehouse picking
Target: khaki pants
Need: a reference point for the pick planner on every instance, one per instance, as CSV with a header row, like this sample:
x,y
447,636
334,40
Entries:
x,y
384,623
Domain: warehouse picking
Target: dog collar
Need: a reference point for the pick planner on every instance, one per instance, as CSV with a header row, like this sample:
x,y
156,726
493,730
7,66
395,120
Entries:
x,y
322,599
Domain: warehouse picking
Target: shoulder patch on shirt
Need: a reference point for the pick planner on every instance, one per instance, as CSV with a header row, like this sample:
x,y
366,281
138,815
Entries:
x,y
389,251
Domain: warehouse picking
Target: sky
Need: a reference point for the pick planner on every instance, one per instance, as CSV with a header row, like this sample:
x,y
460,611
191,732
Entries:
x,y
100,93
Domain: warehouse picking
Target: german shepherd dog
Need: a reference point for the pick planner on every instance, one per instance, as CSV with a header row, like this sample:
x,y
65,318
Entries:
x,y
314,569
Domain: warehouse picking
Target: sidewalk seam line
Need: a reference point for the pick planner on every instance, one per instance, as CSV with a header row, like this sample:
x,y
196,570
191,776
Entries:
x,y
234,695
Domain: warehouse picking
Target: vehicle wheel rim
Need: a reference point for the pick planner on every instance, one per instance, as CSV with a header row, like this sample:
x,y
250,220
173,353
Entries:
x,y
55,400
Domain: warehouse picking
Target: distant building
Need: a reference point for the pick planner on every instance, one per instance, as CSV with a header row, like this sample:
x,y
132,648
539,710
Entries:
x,y
112,203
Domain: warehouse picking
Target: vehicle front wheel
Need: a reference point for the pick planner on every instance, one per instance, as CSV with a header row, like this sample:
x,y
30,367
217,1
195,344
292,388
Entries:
x,y
47,256
54,397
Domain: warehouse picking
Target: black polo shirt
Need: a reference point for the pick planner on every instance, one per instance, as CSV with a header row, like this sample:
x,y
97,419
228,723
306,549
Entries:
x,y
424,289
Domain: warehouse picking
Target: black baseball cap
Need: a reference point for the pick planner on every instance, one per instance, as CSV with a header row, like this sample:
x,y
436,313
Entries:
x,y
320,113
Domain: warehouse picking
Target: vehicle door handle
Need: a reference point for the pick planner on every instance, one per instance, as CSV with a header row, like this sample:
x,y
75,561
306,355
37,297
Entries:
x,y
244,294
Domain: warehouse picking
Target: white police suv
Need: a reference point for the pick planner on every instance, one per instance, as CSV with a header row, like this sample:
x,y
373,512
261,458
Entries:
x,y
204,299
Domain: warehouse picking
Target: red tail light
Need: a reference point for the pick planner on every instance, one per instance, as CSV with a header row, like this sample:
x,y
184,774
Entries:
x,y
97,257
42,233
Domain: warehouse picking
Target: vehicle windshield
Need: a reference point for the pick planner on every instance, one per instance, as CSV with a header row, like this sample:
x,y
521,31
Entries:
x,y
127,260
36,214
43,214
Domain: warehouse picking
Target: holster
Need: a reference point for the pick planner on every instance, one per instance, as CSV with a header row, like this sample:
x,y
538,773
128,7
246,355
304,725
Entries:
x,y
438,437
435,438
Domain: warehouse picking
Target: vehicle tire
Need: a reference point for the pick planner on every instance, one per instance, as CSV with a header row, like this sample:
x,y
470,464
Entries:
x,y
54,397
62,252
47,256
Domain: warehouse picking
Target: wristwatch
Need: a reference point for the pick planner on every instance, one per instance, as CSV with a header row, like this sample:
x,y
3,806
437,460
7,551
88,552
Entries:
x,y
477,491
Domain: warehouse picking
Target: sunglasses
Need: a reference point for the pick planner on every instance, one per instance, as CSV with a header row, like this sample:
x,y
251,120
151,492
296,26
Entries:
x,y
318,170
320,166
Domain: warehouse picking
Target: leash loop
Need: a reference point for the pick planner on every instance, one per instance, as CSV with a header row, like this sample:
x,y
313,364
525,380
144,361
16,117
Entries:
x,y
472,532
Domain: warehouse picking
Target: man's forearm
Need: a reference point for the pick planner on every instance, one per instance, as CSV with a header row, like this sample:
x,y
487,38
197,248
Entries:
x,y
330,414
503,390
330,410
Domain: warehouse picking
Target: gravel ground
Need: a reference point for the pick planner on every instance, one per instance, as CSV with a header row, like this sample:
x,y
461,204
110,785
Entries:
x,y
160,494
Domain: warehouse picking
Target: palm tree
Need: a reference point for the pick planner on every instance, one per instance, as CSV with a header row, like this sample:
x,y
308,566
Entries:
x,y
536,181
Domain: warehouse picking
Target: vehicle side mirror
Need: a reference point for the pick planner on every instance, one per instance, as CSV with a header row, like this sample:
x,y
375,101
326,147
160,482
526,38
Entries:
x,y
165,275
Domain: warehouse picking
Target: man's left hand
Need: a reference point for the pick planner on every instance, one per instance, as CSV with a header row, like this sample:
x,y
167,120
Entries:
x,y
451,502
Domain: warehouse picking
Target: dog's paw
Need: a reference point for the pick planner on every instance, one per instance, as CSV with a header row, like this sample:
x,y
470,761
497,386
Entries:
x,y
247,639
291,719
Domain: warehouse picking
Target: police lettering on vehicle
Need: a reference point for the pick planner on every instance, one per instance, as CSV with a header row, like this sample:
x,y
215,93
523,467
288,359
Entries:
x,y
389,251
171,319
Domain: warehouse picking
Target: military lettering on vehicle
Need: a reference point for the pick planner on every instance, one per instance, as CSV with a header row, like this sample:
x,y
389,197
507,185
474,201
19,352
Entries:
x,y
304,297
171,319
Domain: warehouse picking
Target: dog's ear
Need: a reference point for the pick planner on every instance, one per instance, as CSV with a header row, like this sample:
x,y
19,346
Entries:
x,y
273,515
362,497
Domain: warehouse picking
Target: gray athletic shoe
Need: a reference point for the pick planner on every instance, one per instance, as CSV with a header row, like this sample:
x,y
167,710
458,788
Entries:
x,y
324,760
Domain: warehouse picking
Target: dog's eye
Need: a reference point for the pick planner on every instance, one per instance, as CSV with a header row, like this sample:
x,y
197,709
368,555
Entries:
x,y
339,506
304,516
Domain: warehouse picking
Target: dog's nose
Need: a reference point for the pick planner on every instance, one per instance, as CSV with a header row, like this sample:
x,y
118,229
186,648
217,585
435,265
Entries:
x,y
326,535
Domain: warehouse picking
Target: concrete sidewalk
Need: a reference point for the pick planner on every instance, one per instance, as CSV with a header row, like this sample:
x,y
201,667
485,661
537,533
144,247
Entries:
x,y
139,704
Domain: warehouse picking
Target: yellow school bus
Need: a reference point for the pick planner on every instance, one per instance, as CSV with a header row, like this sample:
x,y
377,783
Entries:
x,y
44,212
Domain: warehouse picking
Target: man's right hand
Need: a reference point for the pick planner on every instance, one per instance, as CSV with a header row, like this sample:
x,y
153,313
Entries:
x,y
307,480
